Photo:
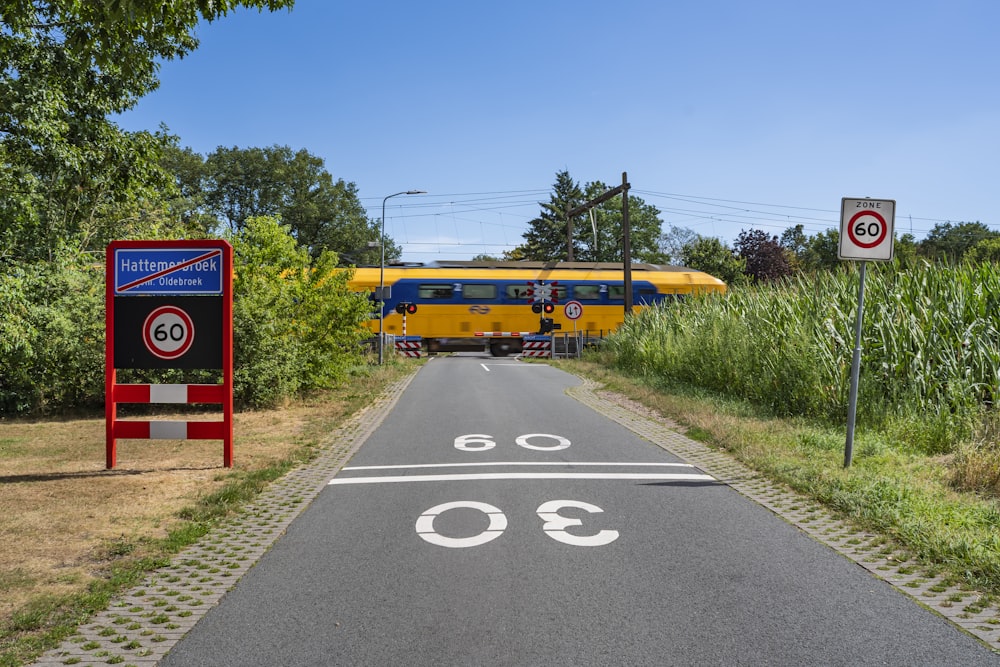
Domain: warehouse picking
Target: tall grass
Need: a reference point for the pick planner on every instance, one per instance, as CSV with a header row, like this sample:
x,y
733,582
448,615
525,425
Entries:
x,y
930,347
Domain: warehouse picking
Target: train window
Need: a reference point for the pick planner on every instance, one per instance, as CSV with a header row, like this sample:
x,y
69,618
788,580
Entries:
x,y
616,291
479,291
559,292
437,291
586,292
517,291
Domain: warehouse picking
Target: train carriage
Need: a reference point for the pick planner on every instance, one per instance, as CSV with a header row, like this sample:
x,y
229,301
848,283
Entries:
x,y
462,306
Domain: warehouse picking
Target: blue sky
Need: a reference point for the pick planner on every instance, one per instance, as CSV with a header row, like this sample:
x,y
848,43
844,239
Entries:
x,y
727,115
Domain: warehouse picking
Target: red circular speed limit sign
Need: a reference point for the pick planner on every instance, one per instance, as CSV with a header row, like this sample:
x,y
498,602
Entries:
x,y
867,229
168,332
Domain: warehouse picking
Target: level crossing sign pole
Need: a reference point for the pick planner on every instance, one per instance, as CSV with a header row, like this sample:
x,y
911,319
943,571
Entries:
x,y
865,234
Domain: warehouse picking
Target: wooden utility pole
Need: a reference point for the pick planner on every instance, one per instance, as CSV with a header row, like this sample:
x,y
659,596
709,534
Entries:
x,y
626,234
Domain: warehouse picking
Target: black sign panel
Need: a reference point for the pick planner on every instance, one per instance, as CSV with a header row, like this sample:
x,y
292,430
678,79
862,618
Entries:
x,y
168,332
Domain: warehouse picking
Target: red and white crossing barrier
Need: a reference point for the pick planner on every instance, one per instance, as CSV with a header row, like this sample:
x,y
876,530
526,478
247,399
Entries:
x,y
537,348
409,348
503,334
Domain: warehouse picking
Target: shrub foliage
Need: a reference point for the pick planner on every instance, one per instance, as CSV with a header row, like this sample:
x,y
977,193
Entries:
x,y
296,326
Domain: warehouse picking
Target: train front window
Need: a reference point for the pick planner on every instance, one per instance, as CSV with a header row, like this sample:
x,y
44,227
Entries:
x,y
479,291
436,291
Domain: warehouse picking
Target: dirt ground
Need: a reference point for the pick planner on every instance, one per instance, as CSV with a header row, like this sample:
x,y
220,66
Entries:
x,y
62,513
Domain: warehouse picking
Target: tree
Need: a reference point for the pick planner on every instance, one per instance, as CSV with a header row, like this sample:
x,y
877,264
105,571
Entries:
x,y
766,260
65,67
606,245
322,214
545,239
794,241
987,250
905,250
713,257
187,170
820,251
673,242
950,242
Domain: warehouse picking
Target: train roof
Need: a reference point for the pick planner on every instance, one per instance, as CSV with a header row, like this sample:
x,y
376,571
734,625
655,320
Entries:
x,y
546,266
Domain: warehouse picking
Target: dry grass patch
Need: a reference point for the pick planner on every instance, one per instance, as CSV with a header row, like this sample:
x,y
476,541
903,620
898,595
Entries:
x,y
65,518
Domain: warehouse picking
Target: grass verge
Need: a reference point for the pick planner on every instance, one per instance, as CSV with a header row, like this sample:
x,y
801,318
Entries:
x,y
890,489
77,534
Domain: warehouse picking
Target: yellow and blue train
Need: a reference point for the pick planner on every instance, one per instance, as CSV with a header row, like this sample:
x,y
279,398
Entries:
x,y
491,306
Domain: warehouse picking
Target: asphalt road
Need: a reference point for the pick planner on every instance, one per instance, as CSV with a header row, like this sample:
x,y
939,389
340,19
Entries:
x,y
493,520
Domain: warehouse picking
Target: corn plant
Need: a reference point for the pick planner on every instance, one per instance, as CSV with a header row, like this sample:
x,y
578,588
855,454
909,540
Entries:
x,y
930,346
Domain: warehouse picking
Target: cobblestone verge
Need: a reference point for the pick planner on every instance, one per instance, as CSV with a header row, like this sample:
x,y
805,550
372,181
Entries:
x,y
970,610
140,627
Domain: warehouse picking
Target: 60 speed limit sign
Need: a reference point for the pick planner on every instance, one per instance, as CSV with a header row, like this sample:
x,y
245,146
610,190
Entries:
x,y
866,229
168,332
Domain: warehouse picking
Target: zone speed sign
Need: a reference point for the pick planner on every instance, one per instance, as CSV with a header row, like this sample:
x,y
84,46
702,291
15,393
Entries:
x,y
866,229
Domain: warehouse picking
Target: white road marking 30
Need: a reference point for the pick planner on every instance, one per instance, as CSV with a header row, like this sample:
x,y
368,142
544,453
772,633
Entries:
x,y
425,525
549,513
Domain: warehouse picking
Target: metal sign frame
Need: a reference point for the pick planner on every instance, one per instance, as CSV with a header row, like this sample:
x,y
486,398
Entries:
x,y
188,284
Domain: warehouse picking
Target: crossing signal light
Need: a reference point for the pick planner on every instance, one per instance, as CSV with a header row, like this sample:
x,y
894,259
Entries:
x,y
536,308
549,308
542,307
406,308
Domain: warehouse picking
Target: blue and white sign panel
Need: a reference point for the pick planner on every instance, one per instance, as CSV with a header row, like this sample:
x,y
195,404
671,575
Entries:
x,y
168,271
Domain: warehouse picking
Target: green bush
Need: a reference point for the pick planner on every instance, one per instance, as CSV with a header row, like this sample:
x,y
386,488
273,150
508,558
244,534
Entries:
x,y
296,327
51,337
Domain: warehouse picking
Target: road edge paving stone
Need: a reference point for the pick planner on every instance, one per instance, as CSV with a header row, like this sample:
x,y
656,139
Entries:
x,y
142,625
969,610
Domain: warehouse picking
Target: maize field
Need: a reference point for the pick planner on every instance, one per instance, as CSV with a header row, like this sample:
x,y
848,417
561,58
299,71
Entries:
x,y
930,347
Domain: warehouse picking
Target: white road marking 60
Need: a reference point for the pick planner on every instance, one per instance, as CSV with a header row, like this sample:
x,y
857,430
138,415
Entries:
x,y
554,526
480,442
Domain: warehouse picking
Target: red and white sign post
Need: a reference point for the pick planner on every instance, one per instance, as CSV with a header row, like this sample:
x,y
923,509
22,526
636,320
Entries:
x,y
866,233
169,304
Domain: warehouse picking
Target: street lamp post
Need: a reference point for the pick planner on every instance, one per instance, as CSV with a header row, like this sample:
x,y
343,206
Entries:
x,y
381,272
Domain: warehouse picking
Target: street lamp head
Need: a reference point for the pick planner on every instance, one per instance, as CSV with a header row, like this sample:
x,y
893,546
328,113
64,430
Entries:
x,y
416,192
